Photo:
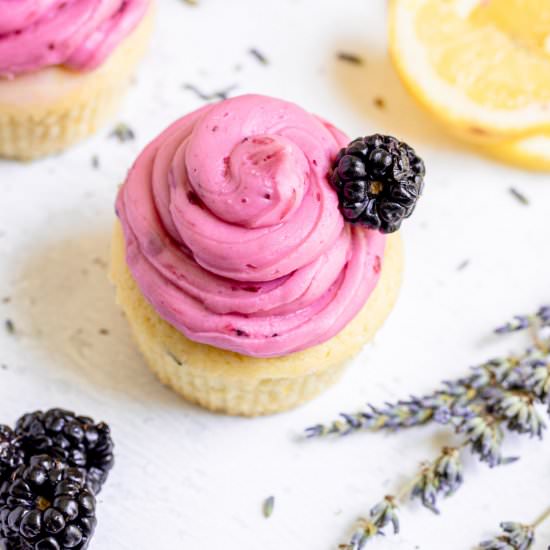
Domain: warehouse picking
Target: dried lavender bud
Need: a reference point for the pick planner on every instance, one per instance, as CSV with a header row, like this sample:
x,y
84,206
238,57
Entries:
x,y
214,96
268,506
349,57
516,536
426,489
123,133
485,435
517,409
532,376
442,477
448,470
10,327
519,196
522,322
260,57
381,515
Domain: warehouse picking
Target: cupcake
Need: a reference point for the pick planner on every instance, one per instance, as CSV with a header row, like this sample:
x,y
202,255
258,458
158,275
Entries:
x,y
64,64
251,254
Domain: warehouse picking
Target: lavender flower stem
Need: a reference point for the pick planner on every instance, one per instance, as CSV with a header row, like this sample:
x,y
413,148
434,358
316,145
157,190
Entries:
x,y
453,400
545,516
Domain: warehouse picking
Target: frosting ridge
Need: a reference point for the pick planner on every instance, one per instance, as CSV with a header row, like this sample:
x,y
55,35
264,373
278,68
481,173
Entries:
x,y
234,234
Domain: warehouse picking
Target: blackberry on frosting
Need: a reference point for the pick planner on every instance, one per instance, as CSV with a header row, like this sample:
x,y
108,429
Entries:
x,y
379,180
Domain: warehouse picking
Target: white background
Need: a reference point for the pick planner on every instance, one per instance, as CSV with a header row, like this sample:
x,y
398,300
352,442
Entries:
x,y
189,479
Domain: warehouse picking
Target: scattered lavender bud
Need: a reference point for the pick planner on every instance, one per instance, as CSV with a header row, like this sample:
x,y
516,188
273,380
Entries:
x,y
519,196
214,96
254,52
269,504
123,133
10,326
352,58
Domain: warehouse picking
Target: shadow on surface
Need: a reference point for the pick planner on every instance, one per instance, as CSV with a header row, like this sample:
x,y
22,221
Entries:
x,y
67,307
375,91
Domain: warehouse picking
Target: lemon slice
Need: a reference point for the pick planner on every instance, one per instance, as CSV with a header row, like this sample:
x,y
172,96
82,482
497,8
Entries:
x,y
532,153
483,66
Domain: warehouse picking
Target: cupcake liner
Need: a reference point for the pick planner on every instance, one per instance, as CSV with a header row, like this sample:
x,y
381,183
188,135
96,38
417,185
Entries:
x,y
45,112
225,381
28,136
232,395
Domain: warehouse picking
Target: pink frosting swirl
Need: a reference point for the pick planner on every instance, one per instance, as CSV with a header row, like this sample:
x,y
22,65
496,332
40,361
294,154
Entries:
x,y
79,34
233,232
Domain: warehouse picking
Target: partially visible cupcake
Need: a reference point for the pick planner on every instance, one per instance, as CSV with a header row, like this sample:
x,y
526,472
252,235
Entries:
x,y
246,289
64,65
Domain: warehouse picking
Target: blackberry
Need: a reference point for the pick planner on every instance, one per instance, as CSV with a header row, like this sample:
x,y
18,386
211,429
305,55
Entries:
x,y
11,453
378,180
47,506
75,440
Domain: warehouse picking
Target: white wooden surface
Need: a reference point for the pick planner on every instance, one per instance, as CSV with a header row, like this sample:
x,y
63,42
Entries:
x,y
189,479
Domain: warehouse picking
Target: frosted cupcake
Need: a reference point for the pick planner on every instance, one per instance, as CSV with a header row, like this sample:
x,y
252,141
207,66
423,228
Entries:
x,y
64,65
245,286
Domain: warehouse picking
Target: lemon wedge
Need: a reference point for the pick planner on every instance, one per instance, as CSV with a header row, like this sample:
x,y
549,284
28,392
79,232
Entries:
x,y
482,66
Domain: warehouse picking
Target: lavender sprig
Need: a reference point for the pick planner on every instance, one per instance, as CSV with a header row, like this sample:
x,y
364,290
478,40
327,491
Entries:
x,y
441,406
497,397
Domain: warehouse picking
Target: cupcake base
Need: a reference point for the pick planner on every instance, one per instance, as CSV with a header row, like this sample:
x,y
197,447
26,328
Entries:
x,y
235,384
45,112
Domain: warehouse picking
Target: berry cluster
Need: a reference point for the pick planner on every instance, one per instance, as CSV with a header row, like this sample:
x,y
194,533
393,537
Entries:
x,y
51,467
379,180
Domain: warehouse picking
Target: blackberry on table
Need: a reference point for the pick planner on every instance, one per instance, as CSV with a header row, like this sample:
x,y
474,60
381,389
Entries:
x,y
46,505
11,453
379,180
75,440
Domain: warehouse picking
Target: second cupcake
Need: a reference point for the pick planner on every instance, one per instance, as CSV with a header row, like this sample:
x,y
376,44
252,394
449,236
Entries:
x,y
64,65
246,288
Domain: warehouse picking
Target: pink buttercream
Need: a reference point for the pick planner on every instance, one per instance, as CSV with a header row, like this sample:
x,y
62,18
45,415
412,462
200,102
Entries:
x,y
78,34
233,232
